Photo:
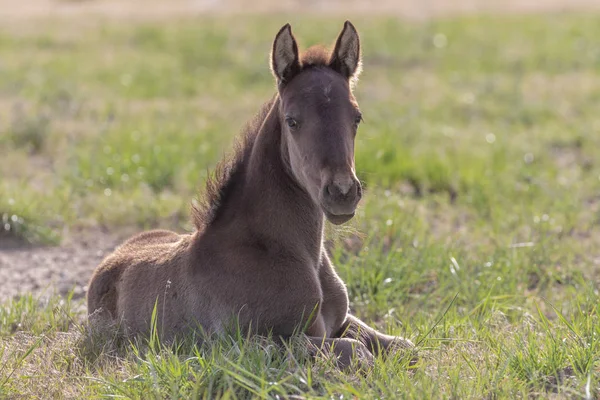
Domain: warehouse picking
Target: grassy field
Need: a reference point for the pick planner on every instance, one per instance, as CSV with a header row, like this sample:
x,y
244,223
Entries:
x,y
478,236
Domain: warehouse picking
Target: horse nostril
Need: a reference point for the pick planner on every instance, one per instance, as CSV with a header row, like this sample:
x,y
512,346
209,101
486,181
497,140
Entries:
x,y
332,190
341,189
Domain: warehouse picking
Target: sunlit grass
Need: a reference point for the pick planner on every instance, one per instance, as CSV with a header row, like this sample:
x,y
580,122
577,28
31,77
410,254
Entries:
x,y
477,236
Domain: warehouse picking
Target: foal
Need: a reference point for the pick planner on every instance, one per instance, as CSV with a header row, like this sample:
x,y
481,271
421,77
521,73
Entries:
x,y
257,255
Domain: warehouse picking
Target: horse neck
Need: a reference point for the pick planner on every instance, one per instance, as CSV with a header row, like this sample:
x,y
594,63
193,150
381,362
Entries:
x,y
277,207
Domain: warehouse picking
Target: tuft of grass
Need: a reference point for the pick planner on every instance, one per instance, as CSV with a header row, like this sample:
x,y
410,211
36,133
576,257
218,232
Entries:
x,y
20,219
459,357
28,131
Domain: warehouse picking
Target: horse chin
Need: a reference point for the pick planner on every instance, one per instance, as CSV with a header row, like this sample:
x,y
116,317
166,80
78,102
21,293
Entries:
x,y
338,219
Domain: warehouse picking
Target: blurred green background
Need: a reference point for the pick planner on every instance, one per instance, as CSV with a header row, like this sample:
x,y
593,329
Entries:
x,y
480,155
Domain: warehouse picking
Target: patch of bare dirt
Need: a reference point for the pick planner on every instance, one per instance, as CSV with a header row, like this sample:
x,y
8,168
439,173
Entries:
x,y
48,270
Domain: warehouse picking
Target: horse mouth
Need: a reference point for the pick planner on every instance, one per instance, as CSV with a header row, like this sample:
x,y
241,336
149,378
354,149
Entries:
x,y
338,219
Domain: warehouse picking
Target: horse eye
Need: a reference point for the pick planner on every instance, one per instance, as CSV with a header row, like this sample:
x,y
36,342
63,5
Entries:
x,y
291,122
358,120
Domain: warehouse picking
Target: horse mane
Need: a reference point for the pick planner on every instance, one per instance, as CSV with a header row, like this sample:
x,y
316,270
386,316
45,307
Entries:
x,y
230,170
315,56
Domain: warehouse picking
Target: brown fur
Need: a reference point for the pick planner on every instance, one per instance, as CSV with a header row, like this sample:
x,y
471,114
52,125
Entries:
x,y
257,258
230,169
315,56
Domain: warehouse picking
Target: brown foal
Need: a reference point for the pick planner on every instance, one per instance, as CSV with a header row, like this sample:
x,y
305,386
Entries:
x,y
257,255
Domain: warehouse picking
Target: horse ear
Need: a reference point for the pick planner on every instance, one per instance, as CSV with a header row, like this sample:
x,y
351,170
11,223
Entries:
x,y
345,58
285,62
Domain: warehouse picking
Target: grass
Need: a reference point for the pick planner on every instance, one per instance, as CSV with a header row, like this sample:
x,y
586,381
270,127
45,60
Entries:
x,y
477,238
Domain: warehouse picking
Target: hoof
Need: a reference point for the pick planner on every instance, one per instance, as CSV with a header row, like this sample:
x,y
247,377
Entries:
x,y
404,348
352,355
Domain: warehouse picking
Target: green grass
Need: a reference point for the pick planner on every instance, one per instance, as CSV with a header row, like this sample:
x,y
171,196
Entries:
x,y
480,157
